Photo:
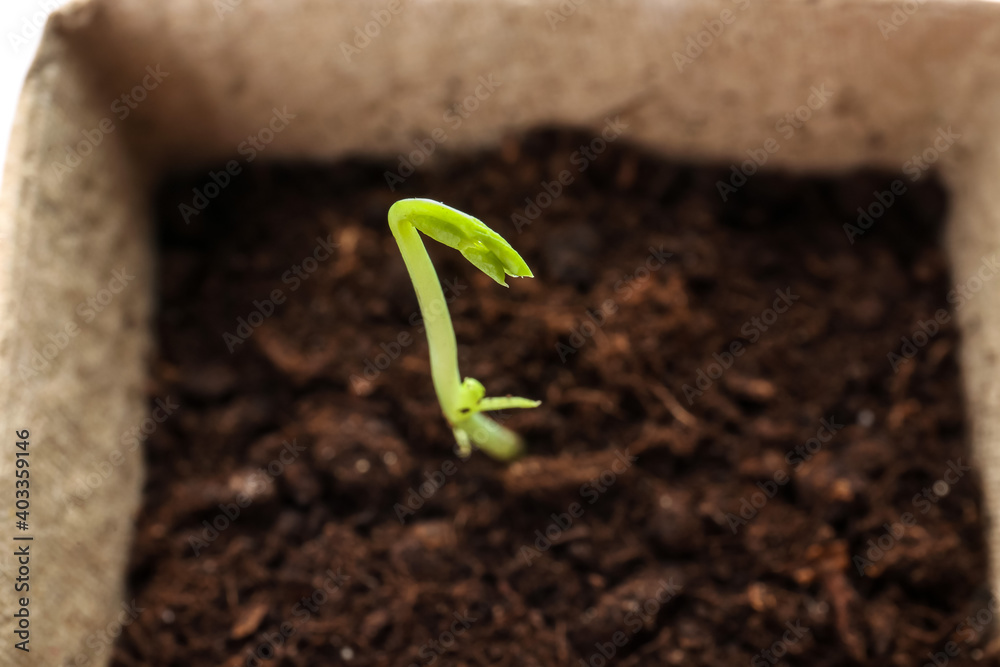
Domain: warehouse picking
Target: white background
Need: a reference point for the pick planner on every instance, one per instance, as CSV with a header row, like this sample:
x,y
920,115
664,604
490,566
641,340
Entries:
x,y
21,23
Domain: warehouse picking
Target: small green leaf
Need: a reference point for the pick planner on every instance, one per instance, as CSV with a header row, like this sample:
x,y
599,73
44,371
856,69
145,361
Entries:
x,y
506,403
484,248
484,260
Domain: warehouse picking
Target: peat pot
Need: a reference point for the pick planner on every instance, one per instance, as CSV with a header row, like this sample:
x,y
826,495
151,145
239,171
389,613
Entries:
x,y
123,90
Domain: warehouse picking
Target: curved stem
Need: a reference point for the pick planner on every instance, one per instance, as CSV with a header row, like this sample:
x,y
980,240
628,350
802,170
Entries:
x,y
437,321
461,403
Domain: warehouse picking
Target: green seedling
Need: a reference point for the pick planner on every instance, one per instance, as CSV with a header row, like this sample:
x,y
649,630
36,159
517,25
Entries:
x,y
462,401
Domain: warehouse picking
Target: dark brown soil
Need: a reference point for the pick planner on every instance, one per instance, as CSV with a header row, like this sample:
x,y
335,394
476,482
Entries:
x,y
556,558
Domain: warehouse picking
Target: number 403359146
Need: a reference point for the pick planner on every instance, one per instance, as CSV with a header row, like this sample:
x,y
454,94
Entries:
x,y
22,484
